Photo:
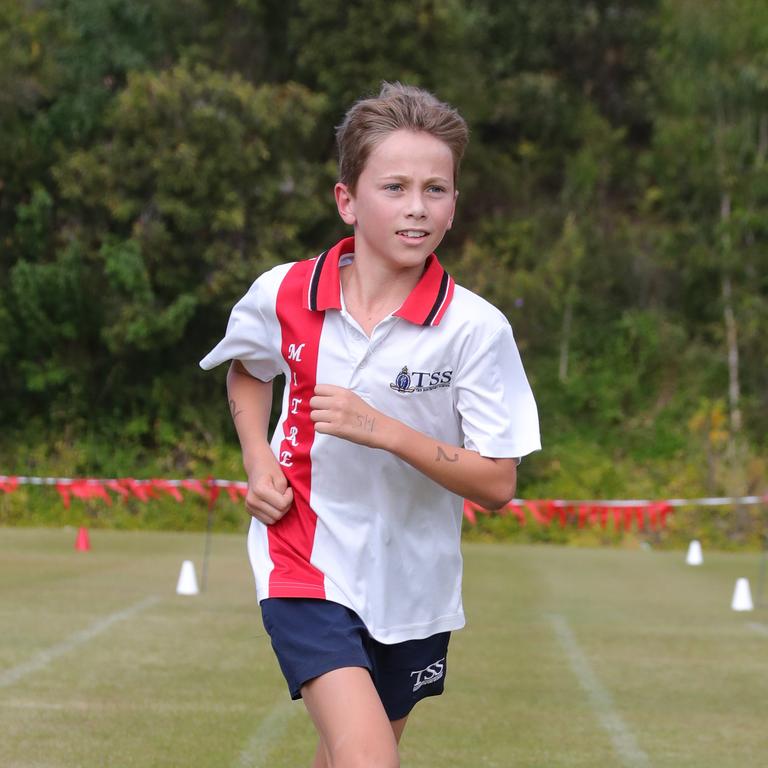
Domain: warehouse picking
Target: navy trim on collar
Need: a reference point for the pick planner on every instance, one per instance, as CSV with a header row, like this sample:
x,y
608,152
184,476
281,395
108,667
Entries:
x,y
425,305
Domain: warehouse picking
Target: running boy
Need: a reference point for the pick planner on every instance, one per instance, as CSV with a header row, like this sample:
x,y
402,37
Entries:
x,y
404,394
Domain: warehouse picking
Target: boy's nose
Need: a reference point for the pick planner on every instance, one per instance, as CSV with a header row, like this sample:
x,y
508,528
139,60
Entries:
x,y
416,208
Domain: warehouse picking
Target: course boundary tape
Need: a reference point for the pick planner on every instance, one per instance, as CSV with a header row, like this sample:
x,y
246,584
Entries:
x,y
127,485
626,514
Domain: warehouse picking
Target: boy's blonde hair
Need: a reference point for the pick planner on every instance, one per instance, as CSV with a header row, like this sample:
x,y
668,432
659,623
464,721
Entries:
x,y
397,107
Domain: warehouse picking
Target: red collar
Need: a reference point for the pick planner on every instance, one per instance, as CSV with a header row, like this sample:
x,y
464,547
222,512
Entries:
x,y
425,305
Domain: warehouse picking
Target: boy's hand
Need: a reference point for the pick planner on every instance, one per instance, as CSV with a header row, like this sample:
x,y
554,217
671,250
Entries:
x,y
269,495
340,412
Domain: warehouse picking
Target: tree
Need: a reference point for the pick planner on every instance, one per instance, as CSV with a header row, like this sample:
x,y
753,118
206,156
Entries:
x,y
710,160
199,182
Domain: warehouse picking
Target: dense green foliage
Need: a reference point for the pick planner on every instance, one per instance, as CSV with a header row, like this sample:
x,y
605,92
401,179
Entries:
x,y
156,157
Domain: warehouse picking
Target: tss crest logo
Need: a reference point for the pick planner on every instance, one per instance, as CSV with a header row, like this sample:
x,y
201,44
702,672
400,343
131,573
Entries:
x,y
421,381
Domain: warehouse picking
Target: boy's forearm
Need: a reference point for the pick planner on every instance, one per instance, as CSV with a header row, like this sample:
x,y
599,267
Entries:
x,y
486,481
250,403
340,412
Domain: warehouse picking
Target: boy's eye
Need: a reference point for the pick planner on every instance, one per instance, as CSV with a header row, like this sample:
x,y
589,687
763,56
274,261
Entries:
x,y
393,187
436,188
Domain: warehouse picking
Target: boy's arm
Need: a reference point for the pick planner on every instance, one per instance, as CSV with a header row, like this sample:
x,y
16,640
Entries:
x,y
250,402
487,481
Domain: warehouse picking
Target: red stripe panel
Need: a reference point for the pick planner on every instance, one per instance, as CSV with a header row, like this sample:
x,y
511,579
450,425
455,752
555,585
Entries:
x,y
291,539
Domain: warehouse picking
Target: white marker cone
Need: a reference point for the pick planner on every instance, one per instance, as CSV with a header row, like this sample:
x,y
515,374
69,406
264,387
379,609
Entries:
x,y
187,584
742,596
694,556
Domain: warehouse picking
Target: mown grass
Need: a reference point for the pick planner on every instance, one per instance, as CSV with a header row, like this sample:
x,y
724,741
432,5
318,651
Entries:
x,y
191,681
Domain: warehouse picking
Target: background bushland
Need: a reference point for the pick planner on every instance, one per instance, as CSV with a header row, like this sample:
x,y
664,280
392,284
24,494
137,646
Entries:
x,y
155,158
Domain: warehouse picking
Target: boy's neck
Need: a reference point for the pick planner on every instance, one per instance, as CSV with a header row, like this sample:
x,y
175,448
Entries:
x,y
373,292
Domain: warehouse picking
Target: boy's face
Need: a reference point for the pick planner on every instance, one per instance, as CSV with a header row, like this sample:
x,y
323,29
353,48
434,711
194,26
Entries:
x,y
404,199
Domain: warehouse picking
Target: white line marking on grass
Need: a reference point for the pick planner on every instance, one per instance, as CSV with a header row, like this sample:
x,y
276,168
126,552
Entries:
x,y
624,742
760,628
271,729
45,657
160,707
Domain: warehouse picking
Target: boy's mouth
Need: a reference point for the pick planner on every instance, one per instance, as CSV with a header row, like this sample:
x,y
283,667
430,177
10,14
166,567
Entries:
x,y
415,234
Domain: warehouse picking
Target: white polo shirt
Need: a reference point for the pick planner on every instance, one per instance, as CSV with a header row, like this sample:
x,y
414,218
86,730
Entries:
x,y
366,529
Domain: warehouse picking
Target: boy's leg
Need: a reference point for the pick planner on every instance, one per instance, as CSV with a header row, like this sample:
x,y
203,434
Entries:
x,y
321,759
398,726
350,719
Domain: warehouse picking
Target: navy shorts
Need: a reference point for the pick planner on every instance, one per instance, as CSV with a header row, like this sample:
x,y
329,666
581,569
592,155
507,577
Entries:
x,y
311,637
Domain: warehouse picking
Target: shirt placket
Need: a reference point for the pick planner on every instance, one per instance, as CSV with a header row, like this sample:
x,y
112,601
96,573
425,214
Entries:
x,y
361,350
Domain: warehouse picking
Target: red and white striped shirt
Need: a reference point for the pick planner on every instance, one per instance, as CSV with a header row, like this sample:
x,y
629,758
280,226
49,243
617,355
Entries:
x,y
366,529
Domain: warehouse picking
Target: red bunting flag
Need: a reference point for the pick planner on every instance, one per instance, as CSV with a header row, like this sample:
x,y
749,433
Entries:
x,y
89,489
9,485
663,509
640,516
81,489
236,492
63,489
167,487
516,510
195,486
533,508
138,488
118,488
213,492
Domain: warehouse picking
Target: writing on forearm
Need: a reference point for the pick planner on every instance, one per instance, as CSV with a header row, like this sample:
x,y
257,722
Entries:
x,y
443,456
233,409
365,422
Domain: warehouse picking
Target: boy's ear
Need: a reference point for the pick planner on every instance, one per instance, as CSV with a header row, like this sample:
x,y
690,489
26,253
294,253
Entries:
x,y
345,203
453,211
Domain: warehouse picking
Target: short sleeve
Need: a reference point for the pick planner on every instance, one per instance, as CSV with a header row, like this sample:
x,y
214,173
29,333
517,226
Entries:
x,y
253,334
494,400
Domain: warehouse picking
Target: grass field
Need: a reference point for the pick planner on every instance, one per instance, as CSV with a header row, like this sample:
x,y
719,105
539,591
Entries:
x,y
571,657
